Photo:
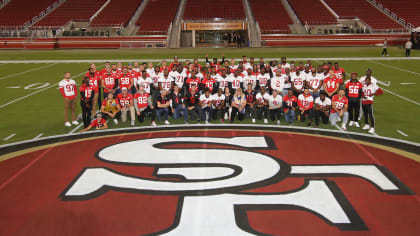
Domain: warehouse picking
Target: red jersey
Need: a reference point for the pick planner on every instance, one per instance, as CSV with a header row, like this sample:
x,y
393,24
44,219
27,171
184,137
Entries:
x,y
289,100
192,82
305,101
209,83
339,103
99,124
142,100
172,65
87,91
331,83
109,82
125,81
339,73
354,89
124,101
94,80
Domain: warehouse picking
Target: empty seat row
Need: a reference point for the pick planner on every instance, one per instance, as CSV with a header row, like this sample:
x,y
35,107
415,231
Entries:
x,y
271,16
312,12
117,12
157,16
205,9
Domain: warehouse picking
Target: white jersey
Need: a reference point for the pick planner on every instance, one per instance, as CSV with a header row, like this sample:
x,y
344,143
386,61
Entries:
x,y
247,66
155,78
68,86
298,81
263,79
368,90
287,84
262,98
145,82
205,101
305,101
149,70
277,83
218,99
322,104
223,82
275,102
250,79
284,66
373,80
236,81
314,81
166,82
178,78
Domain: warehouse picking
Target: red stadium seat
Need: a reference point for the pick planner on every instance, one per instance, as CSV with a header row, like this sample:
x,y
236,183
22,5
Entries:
x,y
116,13
157,16
407,9
312,12
264,14
17,12
204,9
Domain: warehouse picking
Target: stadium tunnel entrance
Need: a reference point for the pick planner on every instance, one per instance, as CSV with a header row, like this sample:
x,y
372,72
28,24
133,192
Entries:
x,y
214,34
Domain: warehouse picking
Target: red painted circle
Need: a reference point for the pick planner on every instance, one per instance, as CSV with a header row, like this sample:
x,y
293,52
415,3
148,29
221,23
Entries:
x,y
30,185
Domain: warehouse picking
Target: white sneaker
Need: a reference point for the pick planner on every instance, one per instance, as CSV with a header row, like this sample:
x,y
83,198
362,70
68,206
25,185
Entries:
x,y
167,122
357,124
265,121
226,116
154,123
75,122
278,122
338,118
371,130
253,121
115,121
351,123
366,127
132,123
343,127
67,124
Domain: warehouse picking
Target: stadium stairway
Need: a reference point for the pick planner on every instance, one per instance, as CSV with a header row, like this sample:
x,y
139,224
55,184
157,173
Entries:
x,y
131,28
297,27
174,40
254,34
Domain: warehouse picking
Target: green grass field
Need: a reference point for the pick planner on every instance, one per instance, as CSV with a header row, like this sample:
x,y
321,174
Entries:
x,y
29,112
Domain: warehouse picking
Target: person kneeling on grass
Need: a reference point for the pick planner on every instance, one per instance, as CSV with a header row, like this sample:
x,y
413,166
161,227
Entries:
x,y
162,106
191,102
306,104
111,108
98,123
126,102
322,108
290,105
205,105
339,106
177,105
143,105
274,105
238,105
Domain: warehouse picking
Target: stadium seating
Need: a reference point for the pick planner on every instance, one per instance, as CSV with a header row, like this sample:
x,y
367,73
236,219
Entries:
x,y
407,9
365,12
17,12
72,10
157,16
205,9
117,12
264,14
312,12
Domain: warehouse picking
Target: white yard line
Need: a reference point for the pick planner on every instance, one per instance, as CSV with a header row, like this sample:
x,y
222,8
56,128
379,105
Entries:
x,y
27,71
38,136
402,133
407,99
396,68
183,59
76,128
9,137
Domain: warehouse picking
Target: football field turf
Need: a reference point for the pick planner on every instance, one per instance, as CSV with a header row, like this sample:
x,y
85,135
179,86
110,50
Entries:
x,y
32,107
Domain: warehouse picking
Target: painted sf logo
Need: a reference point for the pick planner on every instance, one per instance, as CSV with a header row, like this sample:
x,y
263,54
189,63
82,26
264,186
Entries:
x,y
213,178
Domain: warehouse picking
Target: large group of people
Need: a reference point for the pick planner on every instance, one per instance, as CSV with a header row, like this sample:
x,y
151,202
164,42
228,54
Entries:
x,y
221,90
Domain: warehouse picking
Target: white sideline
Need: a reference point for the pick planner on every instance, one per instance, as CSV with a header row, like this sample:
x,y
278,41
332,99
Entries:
x,y
23,72
407,99
183,59
397,68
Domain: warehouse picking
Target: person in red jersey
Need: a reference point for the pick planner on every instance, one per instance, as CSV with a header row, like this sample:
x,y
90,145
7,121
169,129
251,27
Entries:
x,y
174,63
68,90
143,104
354,93
339,107
95,81
209,82
306,104
87,93
251,101
215,63
98,123
104,70
369,91
339,72
163,66
111,108
322,108
331,84
193,81
126,80
109,82
197,65
127,105
289,106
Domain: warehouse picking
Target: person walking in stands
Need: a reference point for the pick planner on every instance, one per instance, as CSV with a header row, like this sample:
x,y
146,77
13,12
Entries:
x,y
408,46
68,90
385,48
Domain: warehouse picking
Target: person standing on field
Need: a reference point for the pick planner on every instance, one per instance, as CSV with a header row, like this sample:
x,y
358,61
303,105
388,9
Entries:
x,y
385,48
408,46
68,90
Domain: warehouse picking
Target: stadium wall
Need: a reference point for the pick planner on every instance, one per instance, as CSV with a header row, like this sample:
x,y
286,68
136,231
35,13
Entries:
x,y
160,41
